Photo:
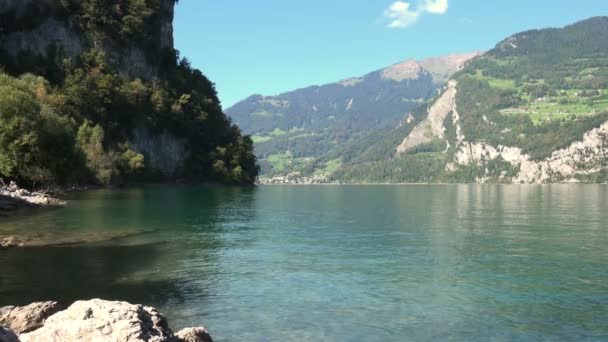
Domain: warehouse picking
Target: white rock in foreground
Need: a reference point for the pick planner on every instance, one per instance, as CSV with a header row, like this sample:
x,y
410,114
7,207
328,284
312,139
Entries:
x,y
99,321
22,319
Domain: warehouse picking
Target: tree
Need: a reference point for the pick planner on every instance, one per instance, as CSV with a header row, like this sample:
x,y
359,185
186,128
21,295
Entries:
x,y
101,164
19,127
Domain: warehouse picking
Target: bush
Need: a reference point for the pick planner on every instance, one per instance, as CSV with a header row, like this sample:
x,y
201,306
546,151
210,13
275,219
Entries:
x,y
102,165
36,145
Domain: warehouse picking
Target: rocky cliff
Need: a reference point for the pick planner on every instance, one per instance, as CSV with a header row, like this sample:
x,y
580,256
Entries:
x,y
43,29
165,152
581,158
124,105
432,127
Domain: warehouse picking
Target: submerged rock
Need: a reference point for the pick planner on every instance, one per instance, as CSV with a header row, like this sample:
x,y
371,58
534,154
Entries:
x,y
10,242
27,318
93,320
194,335
60,239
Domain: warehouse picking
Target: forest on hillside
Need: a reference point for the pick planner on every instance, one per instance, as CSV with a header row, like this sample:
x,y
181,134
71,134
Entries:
x,y
69,119
538,90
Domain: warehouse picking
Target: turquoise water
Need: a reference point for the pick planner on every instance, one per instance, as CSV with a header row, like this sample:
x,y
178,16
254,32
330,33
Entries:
x,y
332,263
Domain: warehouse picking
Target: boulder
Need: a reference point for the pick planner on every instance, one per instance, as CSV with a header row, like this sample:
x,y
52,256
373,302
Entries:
x,y
12,187
94,320
194,335
99,320
22,319
22,193
12,197
7,335
10,242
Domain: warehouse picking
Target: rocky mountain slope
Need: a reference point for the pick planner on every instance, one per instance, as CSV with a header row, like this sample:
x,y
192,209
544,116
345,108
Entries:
x,y
293,129
105,98
532,110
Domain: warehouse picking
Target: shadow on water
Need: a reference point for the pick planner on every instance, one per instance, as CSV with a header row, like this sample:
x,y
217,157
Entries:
x,y
66,274
167,246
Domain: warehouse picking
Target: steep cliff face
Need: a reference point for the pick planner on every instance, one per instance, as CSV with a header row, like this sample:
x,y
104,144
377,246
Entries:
x,y
432,127
111,94
581,159
38,40
44,29
164,152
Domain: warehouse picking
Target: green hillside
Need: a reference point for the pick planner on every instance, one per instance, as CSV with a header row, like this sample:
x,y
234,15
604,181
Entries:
x,y
538,92
310,130
547,87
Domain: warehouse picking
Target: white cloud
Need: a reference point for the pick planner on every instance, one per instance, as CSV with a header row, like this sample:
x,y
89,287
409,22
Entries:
x,y
402,14
436,6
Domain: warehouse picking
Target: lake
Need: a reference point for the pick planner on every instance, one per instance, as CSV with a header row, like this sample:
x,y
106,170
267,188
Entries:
x,y
332,263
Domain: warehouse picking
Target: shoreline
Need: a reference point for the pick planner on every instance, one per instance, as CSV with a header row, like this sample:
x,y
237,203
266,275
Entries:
x,y
13,198
425,183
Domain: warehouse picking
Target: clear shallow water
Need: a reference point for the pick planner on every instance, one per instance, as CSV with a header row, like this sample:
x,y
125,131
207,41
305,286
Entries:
x,y
334,263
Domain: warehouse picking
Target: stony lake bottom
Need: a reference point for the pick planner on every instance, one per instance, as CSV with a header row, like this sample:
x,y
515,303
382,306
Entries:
x,y
331,263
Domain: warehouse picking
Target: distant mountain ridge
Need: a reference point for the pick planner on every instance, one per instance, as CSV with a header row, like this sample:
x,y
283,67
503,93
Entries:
x,y
532,110
293,128
441,68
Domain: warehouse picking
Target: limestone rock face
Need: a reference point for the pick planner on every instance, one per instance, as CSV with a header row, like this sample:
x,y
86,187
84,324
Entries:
x,y
163,152
431,127
27,318
38,40
99,320
59,33
582,157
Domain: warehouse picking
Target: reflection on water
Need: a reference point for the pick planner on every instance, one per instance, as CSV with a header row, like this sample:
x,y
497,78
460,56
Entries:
x,y
364,263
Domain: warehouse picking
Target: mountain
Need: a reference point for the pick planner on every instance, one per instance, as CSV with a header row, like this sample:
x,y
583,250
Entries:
x,y
95,92
532,110
293,129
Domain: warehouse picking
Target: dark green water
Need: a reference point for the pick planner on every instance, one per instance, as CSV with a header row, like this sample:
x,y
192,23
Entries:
x,y
333,263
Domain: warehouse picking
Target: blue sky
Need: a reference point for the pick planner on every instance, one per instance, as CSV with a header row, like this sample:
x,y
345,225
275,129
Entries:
x,y
272,46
